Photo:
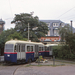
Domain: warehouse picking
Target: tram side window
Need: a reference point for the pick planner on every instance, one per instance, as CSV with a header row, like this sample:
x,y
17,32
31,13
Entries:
x,y
42,48
31,48
15,48
28,48
50,48
23,48
47,48
19,48
39,48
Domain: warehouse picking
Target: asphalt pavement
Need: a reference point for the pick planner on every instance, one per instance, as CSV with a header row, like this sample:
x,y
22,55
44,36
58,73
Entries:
x,y
44,68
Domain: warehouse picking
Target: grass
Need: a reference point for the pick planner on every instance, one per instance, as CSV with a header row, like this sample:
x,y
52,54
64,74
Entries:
x,y
45,65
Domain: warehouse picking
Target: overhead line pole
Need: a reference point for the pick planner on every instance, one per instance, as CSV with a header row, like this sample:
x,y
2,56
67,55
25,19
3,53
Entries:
x,y
71,27
28,31
28,26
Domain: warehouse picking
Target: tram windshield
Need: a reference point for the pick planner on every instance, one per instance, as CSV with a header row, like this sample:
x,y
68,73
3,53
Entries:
x,y
8,48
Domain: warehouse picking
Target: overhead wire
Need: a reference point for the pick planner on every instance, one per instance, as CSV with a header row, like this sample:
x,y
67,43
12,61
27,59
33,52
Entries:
x,y
10,11
10,8
65,12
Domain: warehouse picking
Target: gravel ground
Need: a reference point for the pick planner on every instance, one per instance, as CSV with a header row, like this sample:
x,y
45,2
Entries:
x,y
8,70
60,68
46,70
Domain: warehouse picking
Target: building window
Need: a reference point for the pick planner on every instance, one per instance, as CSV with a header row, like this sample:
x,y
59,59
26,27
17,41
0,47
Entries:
x,y
48,24
56,32
55,24
62,25
48,33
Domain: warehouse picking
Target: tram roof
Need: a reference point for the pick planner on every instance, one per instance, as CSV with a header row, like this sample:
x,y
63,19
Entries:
x,y
23,42
51,45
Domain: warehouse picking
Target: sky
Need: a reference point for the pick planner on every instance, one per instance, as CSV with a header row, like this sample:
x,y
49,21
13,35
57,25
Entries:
x,y
63,10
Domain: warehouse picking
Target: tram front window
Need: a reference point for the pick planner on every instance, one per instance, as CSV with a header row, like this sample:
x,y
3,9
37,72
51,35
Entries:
x,y
8,48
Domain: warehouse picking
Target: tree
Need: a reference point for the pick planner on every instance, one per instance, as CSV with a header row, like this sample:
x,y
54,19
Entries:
x,y
3,37
63,31
70,41
15,36
8,35
36,28
67,51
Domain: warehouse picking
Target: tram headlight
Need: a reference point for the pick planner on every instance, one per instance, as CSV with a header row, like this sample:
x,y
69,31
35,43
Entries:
x,y
8,55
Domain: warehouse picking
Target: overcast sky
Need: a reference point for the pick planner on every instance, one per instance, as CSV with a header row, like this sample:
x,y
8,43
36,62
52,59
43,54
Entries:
x,y
63,10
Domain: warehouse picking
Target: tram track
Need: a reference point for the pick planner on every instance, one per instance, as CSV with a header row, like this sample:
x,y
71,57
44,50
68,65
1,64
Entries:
x,y
20,67
12,67
16,70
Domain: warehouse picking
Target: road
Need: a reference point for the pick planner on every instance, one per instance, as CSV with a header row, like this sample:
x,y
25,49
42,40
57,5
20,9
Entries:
x,y
46,70
67,69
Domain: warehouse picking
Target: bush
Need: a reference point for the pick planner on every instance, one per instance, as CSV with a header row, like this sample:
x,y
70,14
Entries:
x,y
63,52
40,59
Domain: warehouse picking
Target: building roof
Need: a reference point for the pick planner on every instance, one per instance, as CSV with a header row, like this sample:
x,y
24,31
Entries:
x,y
56,21
51,21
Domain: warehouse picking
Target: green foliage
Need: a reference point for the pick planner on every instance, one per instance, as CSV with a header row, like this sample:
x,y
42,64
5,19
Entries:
x,y
68,50
20,32
14,36
36,28
63,31
63,52
3,37
8,35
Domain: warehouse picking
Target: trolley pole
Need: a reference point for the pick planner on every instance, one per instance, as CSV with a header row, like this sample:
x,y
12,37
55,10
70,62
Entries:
x,y
28,31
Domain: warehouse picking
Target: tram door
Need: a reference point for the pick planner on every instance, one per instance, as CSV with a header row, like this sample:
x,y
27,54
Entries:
x,y
20,52
36,50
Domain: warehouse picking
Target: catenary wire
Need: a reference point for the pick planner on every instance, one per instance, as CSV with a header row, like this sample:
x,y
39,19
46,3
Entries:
x,y
66,12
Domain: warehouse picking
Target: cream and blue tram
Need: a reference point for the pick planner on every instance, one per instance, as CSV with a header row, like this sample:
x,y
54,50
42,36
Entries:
x,y
16,50
49,49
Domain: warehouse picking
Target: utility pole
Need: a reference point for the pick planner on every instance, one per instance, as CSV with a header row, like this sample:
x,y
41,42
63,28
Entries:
x,y
28,26
28,31
71,27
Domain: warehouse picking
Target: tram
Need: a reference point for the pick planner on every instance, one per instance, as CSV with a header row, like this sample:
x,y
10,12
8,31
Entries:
x,y
23,51
49,49
17,50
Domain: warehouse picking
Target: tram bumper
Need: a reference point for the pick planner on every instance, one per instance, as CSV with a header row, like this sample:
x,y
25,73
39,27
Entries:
x,y
10,58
